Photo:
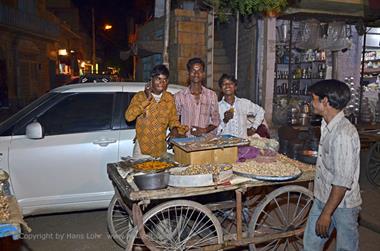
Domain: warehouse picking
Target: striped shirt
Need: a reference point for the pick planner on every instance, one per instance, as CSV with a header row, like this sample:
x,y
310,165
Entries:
x,y
200,113
338,161
238,125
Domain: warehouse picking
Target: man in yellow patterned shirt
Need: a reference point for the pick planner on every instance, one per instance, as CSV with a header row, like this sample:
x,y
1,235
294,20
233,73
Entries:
x,y
155,111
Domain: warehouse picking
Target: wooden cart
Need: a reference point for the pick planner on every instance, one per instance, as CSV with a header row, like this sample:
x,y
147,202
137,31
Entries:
x,y
263,215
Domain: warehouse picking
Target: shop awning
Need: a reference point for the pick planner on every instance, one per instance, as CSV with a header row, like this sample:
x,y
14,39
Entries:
x,y
366,11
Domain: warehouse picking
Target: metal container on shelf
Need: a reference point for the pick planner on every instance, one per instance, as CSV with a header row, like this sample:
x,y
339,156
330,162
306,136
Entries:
x,y
304,119
305,108
293,116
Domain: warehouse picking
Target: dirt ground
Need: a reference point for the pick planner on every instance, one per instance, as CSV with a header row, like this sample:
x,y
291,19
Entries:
x,y
88,230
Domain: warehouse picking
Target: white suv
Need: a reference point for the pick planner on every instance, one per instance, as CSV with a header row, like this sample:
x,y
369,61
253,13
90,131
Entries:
x,y
56,149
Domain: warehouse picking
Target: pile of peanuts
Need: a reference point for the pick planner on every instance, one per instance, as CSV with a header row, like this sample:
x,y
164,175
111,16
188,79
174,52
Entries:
x,y
277,169
198,169
4,209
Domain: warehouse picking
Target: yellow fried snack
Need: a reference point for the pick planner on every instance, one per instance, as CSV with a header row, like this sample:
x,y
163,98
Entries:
x,y
153,165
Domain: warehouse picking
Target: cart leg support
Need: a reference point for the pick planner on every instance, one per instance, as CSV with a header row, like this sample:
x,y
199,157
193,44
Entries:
x,y
239,228
138,219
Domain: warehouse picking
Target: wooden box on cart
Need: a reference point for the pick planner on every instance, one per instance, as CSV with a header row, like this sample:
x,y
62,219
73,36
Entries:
x,y
223,155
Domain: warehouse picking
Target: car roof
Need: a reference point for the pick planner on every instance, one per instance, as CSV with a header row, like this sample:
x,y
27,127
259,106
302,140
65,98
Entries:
x,y
110,87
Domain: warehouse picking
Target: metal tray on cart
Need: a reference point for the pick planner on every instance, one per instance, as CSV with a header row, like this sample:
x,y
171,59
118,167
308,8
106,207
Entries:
x,y
269,178
203,143
199,180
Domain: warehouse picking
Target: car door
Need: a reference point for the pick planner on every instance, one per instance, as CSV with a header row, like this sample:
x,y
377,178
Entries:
x,y
66,169
127,129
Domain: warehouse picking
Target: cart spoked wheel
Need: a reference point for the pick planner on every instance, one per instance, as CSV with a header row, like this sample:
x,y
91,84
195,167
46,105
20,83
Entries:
x,y
119,222
179,225
283,210
373,164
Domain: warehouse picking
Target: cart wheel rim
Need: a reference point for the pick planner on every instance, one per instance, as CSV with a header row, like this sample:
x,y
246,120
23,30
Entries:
x,y
180,225
285,209
119,222
373,165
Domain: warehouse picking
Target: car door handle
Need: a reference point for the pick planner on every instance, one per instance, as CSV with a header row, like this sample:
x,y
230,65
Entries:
x,y
104,142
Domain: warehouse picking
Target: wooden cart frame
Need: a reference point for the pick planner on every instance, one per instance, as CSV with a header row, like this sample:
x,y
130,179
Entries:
x,y
274,219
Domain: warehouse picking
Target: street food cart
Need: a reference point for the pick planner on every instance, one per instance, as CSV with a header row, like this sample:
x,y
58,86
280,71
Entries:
x,y
262,213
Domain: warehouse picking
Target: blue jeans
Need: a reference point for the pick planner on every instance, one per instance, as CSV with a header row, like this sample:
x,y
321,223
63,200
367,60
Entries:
x,y
345,220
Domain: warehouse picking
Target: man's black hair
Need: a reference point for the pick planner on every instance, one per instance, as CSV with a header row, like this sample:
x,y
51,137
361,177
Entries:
x,y
227,77
337,92
193,61
158,70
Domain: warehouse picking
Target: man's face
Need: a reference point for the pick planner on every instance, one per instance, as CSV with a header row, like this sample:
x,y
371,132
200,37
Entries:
x,y
318,106
228,87
196,73
159,84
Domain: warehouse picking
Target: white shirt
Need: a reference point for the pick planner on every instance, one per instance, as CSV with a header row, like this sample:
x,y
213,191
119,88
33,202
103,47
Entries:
x,y
338,161
238,125
156,97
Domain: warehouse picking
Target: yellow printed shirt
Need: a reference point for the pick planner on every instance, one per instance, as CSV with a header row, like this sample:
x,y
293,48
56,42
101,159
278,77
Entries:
x,y
152,120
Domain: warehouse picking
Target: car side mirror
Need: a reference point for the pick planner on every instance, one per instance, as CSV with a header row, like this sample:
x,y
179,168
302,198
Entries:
x,y
34,130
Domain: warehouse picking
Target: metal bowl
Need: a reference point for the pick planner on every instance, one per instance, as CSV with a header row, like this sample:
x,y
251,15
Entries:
x,y
150,181
308,156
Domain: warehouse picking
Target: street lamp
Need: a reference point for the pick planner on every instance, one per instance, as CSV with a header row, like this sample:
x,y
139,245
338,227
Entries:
x,y
93,42
107,27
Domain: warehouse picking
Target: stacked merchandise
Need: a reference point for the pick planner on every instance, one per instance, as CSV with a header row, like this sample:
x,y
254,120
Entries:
x,y
352,108
366,115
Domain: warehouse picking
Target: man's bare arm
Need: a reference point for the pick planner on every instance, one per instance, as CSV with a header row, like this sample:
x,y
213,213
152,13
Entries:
x,y
323,223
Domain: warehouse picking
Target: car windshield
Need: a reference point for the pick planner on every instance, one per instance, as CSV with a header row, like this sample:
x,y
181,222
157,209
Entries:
x,y
26,110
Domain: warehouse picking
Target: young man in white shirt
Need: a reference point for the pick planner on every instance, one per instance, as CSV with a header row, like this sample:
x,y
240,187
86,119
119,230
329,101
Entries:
x,y
234,111
336,183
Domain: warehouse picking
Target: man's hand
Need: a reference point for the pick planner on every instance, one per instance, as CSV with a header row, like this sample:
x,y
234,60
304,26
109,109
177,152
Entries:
x,y
148,91
251,131
198,131
174,133
228,115
322,225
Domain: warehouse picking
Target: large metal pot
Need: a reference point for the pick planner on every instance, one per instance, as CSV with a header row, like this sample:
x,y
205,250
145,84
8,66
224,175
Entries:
x,y
150,181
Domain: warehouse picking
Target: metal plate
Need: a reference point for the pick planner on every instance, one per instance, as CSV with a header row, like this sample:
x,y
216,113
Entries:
x,y
269,178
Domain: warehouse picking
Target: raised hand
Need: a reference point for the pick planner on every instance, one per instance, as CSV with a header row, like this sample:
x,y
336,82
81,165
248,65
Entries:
x,y
148,90
228,115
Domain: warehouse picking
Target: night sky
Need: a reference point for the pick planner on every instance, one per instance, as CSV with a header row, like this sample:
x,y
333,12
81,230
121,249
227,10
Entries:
x,y
117,13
